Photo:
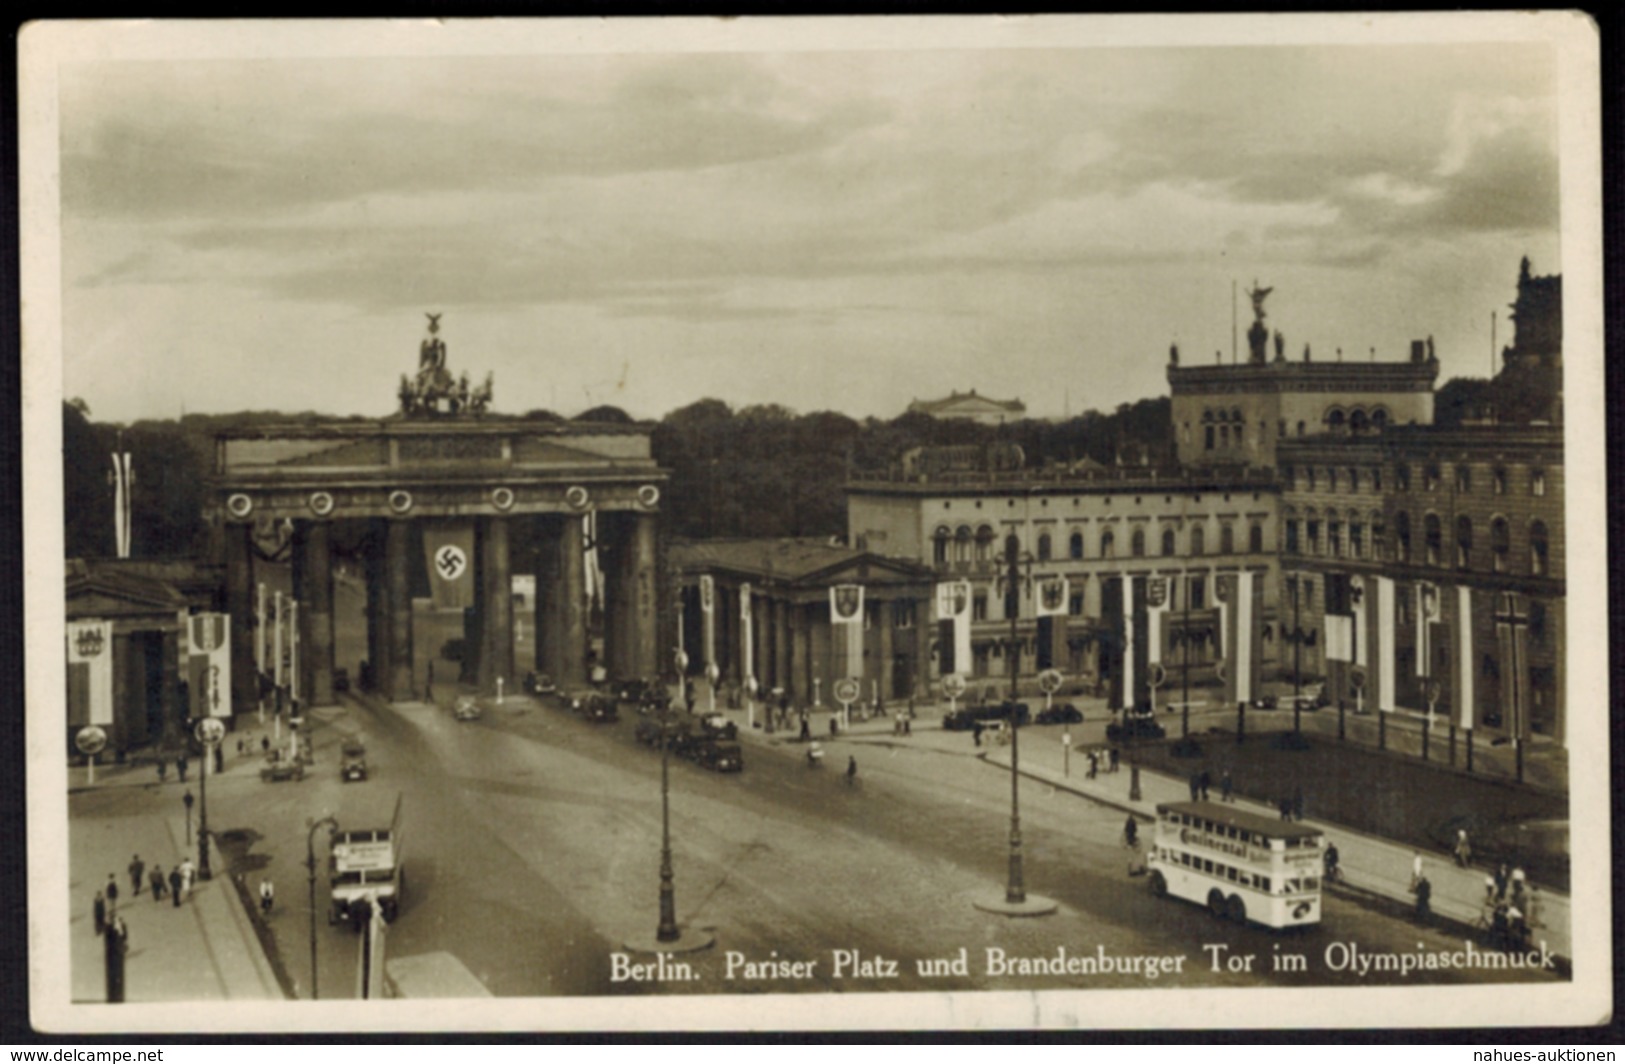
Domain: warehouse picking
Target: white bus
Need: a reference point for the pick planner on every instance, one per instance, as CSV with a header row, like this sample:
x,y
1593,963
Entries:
x,y
1243,867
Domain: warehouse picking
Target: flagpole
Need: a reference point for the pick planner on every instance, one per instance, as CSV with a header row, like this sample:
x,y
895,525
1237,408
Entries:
x,y
276,670
259,649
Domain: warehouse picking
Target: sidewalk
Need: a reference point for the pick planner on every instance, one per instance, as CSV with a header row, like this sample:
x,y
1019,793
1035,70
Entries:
x,y
1370,864
203,950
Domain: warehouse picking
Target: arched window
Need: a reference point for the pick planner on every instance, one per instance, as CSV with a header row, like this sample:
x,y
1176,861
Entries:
x,y
1136,543
984,544
1379,530
1500,544
1359,423
1075,545
1539,550
1498,481
1402,536
1537,482
1334,538
1224,435
1356,538
1464,542
1198,541
1379,419
1043,546
1402,477
1433,534
962,544
1108,544
1255,538
939,547
1334,420
1227,540
1464,479
1012,545
1207,437
1168,542
1430,477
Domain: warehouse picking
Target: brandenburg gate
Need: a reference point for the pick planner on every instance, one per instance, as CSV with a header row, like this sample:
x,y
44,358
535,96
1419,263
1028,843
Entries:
x,y
443,461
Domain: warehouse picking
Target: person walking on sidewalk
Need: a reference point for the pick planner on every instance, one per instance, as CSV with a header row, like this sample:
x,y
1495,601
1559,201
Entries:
x,y
157,883
1116,756
188,873
111,890
1094,764
99,909
137,866
1131,832
176,884
1226,785
180,767
163,770
1424,897
1206,782
1501,877
267,896
1463,850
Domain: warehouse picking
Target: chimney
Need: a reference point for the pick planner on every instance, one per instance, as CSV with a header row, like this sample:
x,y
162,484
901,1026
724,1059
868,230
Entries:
x,y
1419,351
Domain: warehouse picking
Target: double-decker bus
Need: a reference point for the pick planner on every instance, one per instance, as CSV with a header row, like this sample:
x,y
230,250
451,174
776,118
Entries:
x,y
1243,867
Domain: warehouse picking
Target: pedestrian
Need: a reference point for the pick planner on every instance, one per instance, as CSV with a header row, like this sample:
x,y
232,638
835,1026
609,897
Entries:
x,y
1297,803
1464,849
834,726
976,732
239,747
175,886
265,744
908,724
1518,878
851,770
1131,832
1226,785
267,896
111,890
1116,755
1424,898
806,729
188,873
1094,763
163,770
220,759
1416,869
1207,783
180,767
1501,878
1489,890
1284,807
99,909
137,866
157,883
1196,786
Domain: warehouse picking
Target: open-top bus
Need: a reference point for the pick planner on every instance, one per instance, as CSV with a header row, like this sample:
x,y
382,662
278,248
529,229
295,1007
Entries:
x,y
1242,866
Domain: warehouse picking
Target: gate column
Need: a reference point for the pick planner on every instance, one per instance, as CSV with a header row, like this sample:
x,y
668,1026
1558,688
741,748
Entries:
x,y
398,588
315,594
240,606
496,621
642,576
572,606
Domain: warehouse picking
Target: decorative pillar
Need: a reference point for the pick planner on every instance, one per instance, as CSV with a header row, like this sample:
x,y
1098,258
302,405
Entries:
x,y
240,606
315,595
548,619
496,620
642,571
169,685
572,606
886,618
126,731
377,608
397,581
782,674
800,685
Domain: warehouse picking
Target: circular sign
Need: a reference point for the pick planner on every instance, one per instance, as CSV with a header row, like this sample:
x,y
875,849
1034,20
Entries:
x,y
1357,679
1156,675
240,505
847,690
321,503
400,501
648,495
681,657
91,740
209,731
577,497
750,684
1049,681
502,498
450,562
953,684
713,673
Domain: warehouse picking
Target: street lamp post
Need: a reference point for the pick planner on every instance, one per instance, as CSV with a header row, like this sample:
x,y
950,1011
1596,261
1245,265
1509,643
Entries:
x,y
310,869
1297,659
1015,891
668,930
210,733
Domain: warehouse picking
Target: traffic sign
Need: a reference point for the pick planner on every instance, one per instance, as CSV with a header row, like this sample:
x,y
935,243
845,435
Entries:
x,y
847,690
91,740
953,685
1049,681
210,732
1357,679
713,673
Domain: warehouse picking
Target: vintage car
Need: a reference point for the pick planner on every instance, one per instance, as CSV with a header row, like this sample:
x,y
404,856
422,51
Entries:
x,y
718,726
466,708
540,683
640,690
719,756
598,708
353,761
278,768
967,717
1134,727
1065,713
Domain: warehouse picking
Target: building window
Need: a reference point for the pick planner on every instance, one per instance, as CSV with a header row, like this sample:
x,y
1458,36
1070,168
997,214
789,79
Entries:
x,y
1539,556
1334,538
1376,479
1281,429
1227,539
939,546
1331,479
984,543
1537,482
1402,537
1464,542
1402,478
1108,544
962,544
1311,473
1314,536
1168,543
1043,547
1500,544
1354,479
1433,534
1379,545
1136,543
1075,545
1207,437
1198,588
1074,605
1498,481
1430,477
1198,541
1292,537
978,608
1464,479
1356,540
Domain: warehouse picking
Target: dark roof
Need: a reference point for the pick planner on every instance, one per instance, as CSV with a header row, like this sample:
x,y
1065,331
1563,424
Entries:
x,y
121,581
932,406
1230,816
788,560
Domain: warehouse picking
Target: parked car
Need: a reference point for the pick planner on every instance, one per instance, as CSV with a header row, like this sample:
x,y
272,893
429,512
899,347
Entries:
x,y
341,679
598,708
467,708
1134,728
639,690
1264,702
539,683
1065,713
275,771
966,717
719,756
719,726
353,761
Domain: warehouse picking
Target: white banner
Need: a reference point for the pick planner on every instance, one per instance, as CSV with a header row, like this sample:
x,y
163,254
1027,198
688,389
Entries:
x,y
1385,644
846,604
746,640
90,672
1156,604
708,594
1464,655
1244,635
208,665
1052,596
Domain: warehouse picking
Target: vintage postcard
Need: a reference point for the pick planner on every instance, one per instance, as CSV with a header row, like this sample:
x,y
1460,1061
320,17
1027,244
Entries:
x,y
869,523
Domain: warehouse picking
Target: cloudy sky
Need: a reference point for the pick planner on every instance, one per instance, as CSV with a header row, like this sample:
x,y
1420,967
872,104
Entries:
x,y
1032,214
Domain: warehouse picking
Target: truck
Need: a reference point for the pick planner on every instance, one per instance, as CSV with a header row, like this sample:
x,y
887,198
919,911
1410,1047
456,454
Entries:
x,y
365,868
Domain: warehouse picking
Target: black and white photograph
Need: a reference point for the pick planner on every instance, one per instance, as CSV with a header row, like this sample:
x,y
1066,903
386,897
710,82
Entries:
x,y
815,524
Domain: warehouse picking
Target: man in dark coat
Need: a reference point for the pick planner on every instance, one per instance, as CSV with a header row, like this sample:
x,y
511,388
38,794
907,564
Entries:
x,y
175,886
1424,895
111,890
1207,783
1196,786
157,883
137,866
180,767
100,910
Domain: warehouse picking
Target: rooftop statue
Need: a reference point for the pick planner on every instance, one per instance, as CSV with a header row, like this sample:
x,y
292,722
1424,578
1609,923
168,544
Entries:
x,y
433,391
1258,296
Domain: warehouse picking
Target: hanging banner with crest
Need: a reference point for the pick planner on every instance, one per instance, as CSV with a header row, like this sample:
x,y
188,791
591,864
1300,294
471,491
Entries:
x,y
90,673
208,665
1156,604
448,552
953,618
1052,595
